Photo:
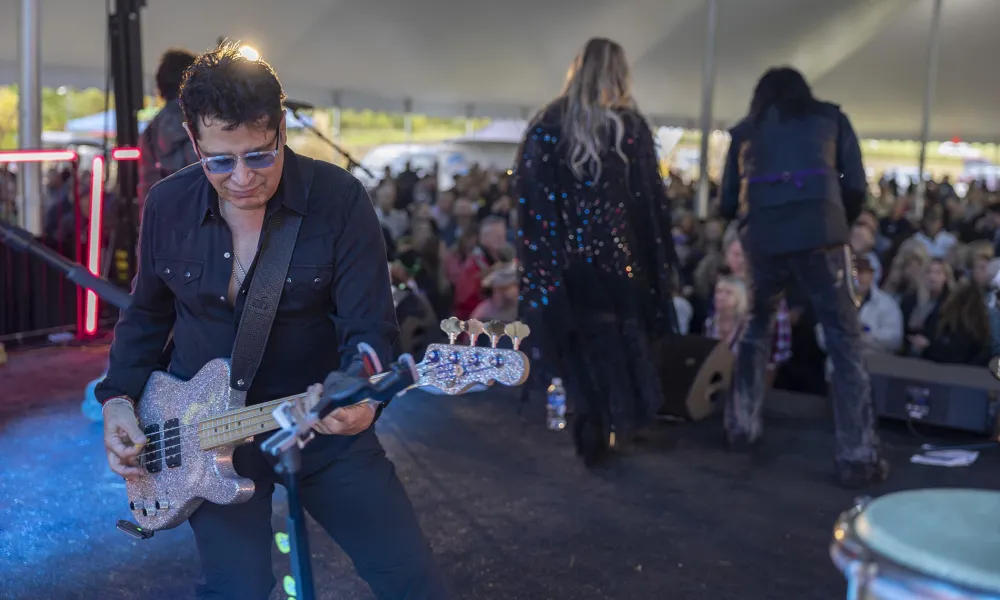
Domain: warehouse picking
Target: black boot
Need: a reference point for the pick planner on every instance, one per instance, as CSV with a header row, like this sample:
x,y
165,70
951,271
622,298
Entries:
x,y
741,442
590,441
857,475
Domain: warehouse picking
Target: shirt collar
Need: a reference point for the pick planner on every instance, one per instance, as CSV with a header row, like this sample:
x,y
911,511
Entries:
x,y
290,193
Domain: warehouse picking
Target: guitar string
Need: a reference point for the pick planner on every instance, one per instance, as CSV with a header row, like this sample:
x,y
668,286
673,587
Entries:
x,y
151,453
204,426
189,434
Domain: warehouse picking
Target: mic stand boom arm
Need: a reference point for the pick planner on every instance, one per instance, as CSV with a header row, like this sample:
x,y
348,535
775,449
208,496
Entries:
x,y
351,163
21,241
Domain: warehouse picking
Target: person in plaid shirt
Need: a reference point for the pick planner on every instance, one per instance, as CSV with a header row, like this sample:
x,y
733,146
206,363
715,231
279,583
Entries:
x,y
736,266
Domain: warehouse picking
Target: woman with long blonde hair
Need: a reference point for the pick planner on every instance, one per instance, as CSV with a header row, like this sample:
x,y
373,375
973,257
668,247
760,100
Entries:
x,y
596,256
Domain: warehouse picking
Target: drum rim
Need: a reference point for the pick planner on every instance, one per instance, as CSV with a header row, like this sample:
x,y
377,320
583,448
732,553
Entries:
x,y
848,548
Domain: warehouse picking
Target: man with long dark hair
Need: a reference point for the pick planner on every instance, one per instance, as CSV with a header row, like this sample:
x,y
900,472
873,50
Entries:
x,y
165,148
795,179
202,234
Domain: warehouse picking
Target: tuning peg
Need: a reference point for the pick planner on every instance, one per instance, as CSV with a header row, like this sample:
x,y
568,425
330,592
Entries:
x,y
452,327
517,332
495,330
475,328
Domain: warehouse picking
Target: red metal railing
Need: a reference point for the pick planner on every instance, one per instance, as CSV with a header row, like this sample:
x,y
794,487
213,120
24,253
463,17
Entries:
x,y
35,299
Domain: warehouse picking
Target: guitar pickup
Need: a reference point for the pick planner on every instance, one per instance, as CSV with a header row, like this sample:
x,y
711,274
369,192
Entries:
x,y
172,443
151,453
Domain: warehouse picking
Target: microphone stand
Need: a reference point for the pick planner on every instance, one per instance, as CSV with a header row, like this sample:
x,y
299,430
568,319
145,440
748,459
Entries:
x,y
21,241
295,423
351,163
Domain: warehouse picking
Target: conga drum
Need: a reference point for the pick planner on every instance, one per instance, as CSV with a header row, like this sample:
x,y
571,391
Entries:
x,y
939,544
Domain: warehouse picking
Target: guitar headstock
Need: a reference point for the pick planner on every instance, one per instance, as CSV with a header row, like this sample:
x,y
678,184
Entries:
x,y
459,368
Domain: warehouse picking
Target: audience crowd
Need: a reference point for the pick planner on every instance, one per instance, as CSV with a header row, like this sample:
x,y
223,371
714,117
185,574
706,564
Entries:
x,y
926,287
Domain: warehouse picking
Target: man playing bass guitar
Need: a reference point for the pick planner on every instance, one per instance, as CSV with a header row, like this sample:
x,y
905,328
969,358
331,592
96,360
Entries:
x,y
201,237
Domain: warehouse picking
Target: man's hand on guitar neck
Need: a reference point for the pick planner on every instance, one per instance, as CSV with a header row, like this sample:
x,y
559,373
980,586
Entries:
x,y
350,420
123,439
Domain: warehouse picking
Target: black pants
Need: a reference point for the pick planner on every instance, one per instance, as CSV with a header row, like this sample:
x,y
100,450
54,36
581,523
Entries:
x,y
356,498
822,276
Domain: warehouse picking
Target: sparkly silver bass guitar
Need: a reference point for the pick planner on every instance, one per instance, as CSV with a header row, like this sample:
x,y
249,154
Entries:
x,y
192,427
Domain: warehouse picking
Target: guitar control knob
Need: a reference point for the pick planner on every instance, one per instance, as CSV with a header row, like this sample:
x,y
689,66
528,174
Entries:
x,y
476,359
433,356
162,505
497,361
453,357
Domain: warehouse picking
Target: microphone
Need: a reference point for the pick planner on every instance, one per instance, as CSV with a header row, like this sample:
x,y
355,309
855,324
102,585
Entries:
x,y
295,106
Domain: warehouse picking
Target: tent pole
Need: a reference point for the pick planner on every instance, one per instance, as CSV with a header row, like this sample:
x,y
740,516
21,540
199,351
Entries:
x,y
30,115
470,127
707,94
408,120
929,88
338,116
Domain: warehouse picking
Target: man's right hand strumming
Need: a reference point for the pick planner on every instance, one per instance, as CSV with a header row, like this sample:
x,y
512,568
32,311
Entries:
x,y
123,439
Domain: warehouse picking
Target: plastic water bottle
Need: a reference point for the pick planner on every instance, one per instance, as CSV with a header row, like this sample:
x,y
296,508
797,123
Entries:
x,y
556,419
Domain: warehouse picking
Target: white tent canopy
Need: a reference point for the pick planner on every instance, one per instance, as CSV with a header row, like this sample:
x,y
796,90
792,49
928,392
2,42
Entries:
x,y
505,59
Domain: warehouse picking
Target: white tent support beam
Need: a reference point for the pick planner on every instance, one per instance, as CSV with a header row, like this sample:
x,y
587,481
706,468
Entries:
x,y
408,119
337,116
933,55
707,97
29,109
470,127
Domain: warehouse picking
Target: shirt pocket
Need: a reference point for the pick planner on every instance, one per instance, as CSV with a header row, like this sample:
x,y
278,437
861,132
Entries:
x,y
307,288
182,276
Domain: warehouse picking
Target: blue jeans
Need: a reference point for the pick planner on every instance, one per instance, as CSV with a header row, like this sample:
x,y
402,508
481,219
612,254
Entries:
x,y
822,275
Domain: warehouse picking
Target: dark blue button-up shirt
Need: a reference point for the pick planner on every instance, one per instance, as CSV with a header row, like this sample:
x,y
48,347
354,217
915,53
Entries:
x,y
337,293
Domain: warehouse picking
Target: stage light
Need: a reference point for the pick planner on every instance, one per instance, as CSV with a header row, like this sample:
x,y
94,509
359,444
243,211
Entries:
x,y
126,154
94,240
35,156
249,53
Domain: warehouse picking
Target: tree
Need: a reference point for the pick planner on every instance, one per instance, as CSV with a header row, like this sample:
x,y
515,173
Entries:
x,y
8,117
53,109
82,103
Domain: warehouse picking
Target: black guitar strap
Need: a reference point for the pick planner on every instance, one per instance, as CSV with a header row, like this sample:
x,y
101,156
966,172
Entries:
x,y
265,288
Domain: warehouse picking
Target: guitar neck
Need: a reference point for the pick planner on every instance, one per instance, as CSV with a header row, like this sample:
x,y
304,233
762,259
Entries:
x,y
240,425
449,369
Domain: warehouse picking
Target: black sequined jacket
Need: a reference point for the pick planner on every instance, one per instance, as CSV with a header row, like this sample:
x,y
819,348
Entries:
x,y
618,226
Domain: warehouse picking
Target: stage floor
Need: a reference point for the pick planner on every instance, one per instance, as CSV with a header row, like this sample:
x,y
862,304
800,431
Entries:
x,y
510,511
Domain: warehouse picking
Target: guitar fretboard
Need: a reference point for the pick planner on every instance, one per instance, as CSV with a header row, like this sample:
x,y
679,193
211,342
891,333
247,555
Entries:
x,y
239,425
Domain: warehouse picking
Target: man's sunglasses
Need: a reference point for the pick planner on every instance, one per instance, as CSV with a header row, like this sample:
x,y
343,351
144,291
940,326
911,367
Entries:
x,y
226,163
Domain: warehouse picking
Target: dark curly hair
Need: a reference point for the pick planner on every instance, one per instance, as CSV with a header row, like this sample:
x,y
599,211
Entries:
x,y
225,85
784,89
169,74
